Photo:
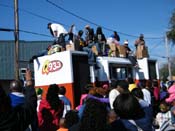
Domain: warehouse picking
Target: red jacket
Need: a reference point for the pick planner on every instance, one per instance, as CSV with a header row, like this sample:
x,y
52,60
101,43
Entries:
x,y
48,119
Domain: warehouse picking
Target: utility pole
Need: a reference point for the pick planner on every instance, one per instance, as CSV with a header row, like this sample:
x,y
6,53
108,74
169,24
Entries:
x,y
16,35
168,56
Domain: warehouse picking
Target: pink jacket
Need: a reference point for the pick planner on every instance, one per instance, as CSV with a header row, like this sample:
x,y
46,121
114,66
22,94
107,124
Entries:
x,y
171,92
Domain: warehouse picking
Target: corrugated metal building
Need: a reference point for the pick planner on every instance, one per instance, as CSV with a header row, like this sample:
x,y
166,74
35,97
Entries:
x,y
26,50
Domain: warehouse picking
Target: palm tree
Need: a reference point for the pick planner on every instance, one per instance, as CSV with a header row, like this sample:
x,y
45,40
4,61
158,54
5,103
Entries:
x,y
171,33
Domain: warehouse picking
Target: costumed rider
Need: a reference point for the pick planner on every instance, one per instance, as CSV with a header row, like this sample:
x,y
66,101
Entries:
x,y
130,54
59,33
91,47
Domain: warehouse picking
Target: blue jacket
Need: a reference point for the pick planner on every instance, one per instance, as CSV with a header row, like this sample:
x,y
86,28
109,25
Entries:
x,y
144,123
16,98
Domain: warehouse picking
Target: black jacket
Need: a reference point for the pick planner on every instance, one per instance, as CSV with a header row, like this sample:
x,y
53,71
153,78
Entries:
x,y
19,118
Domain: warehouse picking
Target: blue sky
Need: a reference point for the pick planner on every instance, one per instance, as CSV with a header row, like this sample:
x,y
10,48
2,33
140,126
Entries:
x,y
128,17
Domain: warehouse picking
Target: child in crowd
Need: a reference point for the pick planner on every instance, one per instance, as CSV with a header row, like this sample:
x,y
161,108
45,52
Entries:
x,y
163,116
173,113
62,125
114,122
71,118
171,100
67,103
39,92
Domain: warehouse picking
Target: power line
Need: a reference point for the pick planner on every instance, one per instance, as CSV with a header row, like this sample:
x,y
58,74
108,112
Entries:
x,y
156,45
34,33
42,17
159,56
79,17
72,13
6,30
34,14
29,32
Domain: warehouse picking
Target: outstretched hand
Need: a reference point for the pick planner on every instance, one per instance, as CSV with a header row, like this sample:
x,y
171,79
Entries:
x,y
28,77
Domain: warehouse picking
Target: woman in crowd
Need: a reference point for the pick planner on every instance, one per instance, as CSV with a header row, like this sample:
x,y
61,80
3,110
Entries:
x,y
50,110
94,117
132,114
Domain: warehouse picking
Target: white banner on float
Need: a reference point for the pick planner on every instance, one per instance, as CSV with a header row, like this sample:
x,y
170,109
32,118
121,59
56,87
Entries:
x,y
143,72
53,69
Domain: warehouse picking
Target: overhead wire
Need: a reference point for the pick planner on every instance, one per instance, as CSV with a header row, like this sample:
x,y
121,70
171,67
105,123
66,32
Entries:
x,y
156,55
29,32
73,14
24,31
156,45
34,33
34,14
86,20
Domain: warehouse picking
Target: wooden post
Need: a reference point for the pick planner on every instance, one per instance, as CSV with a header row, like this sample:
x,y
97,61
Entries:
x,y
16,35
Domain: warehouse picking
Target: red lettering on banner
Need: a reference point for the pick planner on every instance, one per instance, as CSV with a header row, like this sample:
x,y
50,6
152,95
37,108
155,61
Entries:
x,y
51,66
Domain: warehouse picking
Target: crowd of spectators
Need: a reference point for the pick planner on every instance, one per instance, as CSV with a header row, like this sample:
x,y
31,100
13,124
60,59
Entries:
x,y
147,106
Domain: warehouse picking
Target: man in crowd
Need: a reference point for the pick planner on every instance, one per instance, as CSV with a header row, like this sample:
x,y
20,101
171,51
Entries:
x,y
18,118
58,32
